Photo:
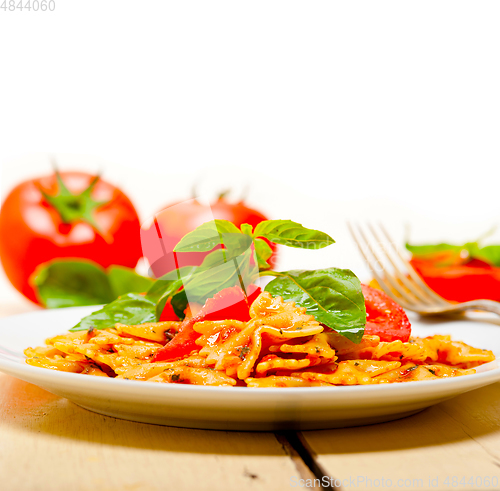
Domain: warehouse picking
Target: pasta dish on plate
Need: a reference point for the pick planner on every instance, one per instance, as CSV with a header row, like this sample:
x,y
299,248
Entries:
x,y
279,346
212,325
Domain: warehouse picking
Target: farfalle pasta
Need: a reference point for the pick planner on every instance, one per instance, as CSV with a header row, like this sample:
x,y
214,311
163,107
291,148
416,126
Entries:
x,y
280,346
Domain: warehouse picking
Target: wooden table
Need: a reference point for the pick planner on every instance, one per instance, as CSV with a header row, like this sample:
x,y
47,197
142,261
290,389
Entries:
x,y
48,443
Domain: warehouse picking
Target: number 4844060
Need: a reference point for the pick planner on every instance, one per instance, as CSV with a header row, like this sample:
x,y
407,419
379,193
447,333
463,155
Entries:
x,y
36,5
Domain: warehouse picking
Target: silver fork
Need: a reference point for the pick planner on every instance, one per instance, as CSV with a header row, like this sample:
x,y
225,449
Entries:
x,y
400,281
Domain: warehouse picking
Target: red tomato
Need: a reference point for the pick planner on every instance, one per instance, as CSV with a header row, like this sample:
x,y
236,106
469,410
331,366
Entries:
x,y
459,281
229,303
168,313
80,217
384,317
177,220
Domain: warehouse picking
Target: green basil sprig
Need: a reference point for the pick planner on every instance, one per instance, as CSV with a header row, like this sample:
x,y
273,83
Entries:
x,y
284,232
332,295
220,269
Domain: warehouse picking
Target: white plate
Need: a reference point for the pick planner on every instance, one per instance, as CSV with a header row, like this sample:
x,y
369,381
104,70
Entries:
x,y
238,408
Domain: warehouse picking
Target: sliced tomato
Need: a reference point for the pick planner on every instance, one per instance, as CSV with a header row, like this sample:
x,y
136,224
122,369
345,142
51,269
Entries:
x,y
230,303
384,317
168,313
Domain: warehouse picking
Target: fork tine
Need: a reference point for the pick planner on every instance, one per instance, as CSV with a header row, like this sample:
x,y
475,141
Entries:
x,y
420,293
394,286
413,274
385,287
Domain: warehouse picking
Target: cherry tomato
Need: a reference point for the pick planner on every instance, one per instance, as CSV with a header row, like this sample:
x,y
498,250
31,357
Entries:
x,y
177,220
68,214
461,280
229,303
384,317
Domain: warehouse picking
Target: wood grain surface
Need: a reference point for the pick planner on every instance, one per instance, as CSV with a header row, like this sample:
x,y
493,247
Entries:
x,y
441,448
48,443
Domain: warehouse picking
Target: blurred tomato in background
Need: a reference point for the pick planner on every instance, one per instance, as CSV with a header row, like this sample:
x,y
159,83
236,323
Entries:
x,y
66,215
178,219
458,279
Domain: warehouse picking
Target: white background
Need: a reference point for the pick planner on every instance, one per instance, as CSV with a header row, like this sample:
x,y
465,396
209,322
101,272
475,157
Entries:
x,y
329,111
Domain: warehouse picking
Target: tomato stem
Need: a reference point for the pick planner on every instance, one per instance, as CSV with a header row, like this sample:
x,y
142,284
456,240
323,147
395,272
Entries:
x,y
73,207
223,194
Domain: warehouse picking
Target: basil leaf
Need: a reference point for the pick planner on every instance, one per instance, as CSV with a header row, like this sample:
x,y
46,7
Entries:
x,y
179,303
128,309
126,280
232,250
263,252
169,291
235,244
206,236
206,283
78,282
214,275
165,288
424,250
246,228
217,271
292,234
333,296
161,285
489,254
69,283
158,289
